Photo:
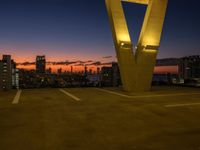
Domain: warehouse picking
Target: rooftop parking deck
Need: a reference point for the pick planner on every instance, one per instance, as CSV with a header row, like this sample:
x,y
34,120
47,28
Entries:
x,y
167,118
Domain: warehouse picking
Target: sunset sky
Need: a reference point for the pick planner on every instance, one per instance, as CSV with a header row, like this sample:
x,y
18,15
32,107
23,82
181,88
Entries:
x,y
79,30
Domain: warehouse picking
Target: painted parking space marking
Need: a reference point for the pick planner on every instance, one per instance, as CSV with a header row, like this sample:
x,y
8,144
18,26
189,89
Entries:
x,y
17,97
182,105
165,95
70,95
115,93
147,96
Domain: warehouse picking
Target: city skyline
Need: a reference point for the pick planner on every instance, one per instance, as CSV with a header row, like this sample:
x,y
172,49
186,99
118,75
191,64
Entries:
x,y
61,32
79,66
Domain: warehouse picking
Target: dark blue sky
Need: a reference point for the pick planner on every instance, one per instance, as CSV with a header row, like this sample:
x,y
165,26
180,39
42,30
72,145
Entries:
x,y
63,29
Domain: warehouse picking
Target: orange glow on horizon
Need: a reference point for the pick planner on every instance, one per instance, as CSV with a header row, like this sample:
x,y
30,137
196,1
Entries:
x,y
166,69
157,69
64,68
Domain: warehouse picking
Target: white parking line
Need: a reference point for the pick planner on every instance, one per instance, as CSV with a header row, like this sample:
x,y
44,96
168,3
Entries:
x,y
164,95
182,105
115,93
70,95
147,96
17,97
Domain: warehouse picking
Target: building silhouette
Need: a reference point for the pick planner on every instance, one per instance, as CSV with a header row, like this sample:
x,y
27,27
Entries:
x,y
59,71
106,76
6,73
15,75
40,64
190,67
116,79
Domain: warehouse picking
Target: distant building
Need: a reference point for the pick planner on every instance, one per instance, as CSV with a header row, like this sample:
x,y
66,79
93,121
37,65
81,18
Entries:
x,y
71,69
1,75
90,71
40,64
49,71
85,71
116,79
93,79
165,79
190,67
167,66
166,71
168,62
98,70
59,71
6,73
15,75
176,70
106,76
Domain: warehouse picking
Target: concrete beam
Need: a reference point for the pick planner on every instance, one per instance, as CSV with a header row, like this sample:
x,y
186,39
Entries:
x,y
137,69
144,2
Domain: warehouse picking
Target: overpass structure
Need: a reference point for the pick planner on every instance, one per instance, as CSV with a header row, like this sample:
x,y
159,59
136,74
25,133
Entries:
x,y
137,62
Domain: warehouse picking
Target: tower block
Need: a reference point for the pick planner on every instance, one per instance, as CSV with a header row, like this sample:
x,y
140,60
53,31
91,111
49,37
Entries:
x,y
136,63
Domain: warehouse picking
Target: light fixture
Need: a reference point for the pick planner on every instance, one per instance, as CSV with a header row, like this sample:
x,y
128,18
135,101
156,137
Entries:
x,y
126,45
151,48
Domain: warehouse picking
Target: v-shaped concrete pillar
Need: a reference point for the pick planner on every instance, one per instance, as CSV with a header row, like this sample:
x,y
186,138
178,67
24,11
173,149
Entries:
x,y
136,69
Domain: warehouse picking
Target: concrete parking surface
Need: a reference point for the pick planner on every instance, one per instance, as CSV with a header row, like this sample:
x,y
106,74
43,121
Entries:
x,y
167,118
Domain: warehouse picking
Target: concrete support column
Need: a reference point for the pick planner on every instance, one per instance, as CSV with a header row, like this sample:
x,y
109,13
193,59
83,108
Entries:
x,y
137,69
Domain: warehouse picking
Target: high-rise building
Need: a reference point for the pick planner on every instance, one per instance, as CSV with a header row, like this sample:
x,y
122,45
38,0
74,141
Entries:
x,y
190,67
110,76
15,75
116,79
40,64
6,73
106,76
1,74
